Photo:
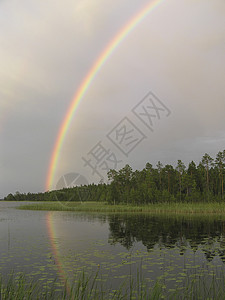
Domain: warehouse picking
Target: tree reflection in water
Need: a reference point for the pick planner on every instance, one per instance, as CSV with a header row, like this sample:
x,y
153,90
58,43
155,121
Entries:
x,y
183,232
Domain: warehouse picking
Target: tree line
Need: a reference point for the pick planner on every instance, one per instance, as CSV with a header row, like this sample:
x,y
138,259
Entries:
x,y
163,184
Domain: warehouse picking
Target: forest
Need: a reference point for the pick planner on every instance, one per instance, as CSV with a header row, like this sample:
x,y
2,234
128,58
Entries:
x,y
163,184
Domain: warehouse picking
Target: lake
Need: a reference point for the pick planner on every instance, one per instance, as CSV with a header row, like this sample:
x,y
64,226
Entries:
x,y
50,246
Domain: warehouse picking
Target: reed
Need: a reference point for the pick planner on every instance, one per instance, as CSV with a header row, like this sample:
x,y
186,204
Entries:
x,y
88,287
171,208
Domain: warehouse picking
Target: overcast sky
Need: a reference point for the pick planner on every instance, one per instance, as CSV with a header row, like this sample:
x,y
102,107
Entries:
x,y
46,49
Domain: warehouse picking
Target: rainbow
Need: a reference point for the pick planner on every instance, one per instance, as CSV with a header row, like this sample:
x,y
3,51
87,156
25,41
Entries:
x,y
105,54
54,248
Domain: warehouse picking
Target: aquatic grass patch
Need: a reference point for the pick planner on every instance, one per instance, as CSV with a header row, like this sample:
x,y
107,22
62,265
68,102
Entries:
x,y
88,287
16,287
85,287
169,208
199,279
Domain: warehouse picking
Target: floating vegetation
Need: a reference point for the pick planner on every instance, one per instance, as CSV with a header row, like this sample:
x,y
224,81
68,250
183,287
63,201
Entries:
x,y
143,255
93,287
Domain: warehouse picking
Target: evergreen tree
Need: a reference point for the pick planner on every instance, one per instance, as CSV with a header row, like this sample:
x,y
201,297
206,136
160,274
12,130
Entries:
x,y
207,162
220,163
180,169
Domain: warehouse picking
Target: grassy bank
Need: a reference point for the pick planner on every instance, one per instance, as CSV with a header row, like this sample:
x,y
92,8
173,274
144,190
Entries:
x,y
172,208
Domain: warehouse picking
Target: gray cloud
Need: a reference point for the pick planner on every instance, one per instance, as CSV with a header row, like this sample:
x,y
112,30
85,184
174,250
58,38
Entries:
x,y
47,49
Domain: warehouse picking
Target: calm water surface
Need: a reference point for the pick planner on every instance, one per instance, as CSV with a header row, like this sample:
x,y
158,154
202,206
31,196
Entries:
x,y
50,245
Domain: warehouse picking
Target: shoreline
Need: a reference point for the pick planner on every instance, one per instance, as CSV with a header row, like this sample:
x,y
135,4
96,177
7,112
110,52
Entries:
x,y
168,208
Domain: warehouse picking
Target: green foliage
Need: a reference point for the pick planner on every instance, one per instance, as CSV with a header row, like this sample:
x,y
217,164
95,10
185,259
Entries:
x,y
89,287
163,184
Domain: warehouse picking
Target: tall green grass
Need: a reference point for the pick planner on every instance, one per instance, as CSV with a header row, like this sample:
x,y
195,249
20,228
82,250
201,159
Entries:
x,y
172,208
88,287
